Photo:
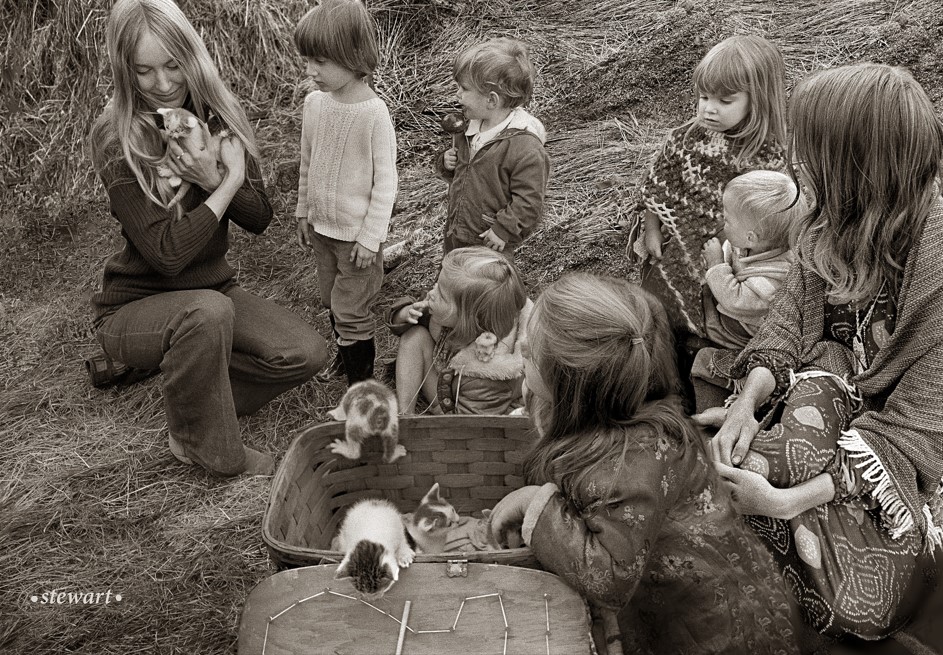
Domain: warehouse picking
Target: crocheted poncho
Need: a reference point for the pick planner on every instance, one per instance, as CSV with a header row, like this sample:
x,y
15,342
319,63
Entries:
x,y
684,189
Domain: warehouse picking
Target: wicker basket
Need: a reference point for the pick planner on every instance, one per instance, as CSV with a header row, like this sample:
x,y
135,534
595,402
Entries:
x,y
476,460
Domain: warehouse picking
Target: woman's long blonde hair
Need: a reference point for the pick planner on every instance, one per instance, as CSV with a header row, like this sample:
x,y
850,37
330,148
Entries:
x,y
604,348
127,127
753,65
867,144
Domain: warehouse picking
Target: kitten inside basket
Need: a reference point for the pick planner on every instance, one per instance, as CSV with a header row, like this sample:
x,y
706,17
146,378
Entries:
x,y
377,540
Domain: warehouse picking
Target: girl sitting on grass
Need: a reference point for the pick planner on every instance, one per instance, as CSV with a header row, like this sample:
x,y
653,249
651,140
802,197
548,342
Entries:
x,y
629,511
461,345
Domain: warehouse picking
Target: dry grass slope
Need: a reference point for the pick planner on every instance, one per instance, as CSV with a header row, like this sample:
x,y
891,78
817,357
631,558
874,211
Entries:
x,y
90,498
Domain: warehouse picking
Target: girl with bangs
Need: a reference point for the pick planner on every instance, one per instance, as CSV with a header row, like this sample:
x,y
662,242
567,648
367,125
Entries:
x,y
844,482
739,126
170,299
629,510
461,346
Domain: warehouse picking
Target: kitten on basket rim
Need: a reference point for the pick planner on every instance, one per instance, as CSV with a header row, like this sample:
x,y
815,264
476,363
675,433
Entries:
x,y
369,409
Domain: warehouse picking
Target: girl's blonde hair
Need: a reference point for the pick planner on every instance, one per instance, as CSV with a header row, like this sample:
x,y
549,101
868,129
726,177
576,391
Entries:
x,y
486,289
605,350
501,65
127,127
751,64
867,143
342,31
771,201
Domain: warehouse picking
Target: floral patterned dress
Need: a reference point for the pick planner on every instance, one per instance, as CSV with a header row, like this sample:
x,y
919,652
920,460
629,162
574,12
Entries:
x,y
658,543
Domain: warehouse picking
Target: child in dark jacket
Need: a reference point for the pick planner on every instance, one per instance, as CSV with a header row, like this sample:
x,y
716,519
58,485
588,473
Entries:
x,y
498,169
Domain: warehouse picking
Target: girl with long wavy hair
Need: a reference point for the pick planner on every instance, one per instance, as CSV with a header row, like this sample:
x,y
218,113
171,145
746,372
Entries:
x,y
844,480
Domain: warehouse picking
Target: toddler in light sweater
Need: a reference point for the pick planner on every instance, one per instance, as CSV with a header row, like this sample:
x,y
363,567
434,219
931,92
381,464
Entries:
x,y
760,209
347,182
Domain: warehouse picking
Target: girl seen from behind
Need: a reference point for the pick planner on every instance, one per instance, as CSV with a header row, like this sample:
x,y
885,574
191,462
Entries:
x,y
461,345
628,511
739,126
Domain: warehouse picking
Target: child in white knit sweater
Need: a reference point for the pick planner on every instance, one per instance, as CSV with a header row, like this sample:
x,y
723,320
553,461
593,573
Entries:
x,y
347,182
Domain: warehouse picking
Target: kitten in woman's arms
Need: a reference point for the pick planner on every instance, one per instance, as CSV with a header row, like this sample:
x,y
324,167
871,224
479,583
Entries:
x,y
374,543
183,126
370,410
429,524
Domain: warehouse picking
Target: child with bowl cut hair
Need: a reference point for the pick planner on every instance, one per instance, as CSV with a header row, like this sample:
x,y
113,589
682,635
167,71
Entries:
x,y
347,179
498,169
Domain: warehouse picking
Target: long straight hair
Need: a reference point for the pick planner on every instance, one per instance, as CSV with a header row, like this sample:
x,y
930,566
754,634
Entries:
x,y
605,351
127,122
868,144
753,65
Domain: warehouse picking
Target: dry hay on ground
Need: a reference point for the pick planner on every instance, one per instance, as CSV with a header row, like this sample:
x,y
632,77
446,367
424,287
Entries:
x,y
90,498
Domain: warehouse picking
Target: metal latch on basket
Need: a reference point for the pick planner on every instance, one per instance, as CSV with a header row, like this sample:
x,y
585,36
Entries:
x,y
456,568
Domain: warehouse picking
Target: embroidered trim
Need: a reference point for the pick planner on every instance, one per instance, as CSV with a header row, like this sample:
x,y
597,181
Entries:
x,y
898,519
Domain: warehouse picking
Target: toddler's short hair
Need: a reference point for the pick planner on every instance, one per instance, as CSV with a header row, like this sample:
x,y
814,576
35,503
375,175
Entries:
x,y
501,65
771,201
342,31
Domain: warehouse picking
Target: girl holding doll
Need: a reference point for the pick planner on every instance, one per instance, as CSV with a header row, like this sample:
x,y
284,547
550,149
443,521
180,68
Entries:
x,y
739,126
629,511
461,345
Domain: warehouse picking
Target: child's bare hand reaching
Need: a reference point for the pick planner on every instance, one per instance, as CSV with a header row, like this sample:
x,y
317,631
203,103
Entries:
x,y
450,159
492,240
712,252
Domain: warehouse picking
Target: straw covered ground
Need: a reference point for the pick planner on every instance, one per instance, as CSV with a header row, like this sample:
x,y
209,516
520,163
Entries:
x,y
90,498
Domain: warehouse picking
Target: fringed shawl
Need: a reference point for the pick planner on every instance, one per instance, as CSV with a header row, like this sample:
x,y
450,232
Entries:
x,y
899,444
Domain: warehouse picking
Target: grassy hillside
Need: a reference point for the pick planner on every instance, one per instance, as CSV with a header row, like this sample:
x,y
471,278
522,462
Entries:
x,y
90,497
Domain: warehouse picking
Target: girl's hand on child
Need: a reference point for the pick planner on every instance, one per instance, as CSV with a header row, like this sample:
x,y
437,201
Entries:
x,y
732,441
492,240
751,493
450,159
713,252
510,510
305,233
361,256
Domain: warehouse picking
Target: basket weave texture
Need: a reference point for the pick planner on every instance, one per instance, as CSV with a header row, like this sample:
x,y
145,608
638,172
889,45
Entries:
x,y
476,460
